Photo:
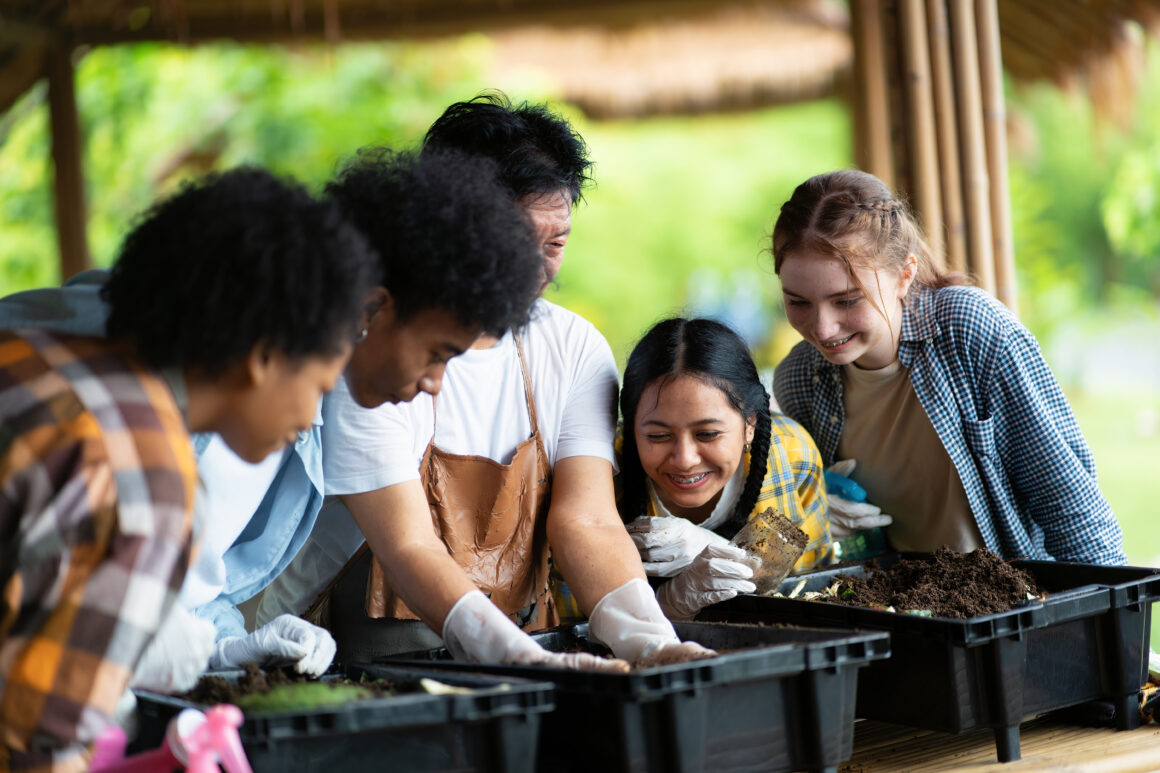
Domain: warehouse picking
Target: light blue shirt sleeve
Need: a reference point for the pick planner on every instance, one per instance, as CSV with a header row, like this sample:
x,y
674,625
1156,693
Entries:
x,y
274,534
76,308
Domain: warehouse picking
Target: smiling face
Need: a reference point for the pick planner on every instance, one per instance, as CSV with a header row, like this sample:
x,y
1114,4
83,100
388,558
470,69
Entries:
x,y
690,440
846,323
551,216
398,359
279,400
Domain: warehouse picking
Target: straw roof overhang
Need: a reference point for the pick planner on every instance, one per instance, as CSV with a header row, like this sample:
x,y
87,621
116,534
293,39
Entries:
x,y
610,57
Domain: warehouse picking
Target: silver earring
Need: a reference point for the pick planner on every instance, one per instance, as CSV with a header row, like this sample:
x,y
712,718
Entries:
x,y
362,336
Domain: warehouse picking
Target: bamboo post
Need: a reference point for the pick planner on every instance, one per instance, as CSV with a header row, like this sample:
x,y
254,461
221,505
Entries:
x,y
871,103
922,148
971,141
995,128
946,128
69,191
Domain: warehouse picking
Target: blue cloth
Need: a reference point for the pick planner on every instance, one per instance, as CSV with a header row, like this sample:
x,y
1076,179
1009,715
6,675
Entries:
x,y
285,516
1002,417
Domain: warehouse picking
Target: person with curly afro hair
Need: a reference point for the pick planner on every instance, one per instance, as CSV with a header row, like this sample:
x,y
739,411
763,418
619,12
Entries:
x,y
454,257
97,468
459,498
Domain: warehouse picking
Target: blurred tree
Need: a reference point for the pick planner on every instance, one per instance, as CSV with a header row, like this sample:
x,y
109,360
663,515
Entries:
x,y
153,115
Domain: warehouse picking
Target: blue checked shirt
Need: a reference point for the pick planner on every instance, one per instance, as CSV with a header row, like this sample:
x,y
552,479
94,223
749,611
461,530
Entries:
x,y
1001,416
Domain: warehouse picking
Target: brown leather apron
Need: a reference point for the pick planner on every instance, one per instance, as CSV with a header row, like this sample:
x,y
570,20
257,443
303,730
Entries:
x,y
492,518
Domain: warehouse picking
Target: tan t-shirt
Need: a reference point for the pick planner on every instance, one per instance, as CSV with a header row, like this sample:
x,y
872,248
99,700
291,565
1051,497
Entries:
x,y
902,463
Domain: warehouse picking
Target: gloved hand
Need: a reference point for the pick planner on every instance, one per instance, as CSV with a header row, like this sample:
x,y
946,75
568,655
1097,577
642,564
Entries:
x,y
476,631
178,655
718,573
847,516
668,544
629,621
285,638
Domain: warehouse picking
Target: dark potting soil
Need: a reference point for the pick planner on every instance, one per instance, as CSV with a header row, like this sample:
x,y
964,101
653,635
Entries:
x,y
947,584
278,688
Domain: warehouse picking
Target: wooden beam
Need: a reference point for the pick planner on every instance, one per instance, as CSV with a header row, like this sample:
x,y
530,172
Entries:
x,y
69,195
871,100
946,128
922,148
322,20
976,184
995,129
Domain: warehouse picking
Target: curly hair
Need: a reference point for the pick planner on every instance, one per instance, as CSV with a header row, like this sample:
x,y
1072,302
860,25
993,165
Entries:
x,y
448,235
712,352
536,150
235,260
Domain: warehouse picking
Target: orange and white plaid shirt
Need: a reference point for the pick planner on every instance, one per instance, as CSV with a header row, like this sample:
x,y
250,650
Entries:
x,y
97,479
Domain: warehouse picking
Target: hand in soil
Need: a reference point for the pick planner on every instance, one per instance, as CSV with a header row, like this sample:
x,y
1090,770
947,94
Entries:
x,y
668,654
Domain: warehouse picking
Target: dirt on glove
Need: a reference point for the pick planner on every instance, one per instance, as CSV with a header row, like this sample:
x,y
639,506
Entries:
x,y
947,584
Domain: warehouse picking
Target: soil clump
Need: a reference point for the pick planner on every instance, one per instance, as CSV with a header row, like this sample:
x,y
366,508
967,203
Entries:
x,y
945,584
279,688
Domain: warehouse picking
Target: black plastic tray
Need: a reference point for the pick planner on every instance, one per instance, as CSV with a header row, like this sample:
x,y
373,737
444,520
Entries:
x,y
783,701
495,727
1088,640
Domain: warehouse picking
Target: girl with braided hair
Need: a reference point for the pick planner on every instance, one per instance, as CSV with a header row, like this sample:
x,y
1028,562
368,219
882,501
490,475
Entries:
x,y
958,426
701,454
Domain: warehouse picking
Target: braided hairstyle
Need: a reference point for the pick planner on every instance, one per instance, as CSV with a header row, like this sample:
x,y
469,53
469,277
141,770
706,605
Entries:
x,y
712,352
852,216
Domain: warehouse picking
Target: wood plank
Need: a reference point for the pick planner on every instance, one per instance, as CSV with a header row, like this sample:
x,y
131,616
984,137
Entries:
x,y
1045,744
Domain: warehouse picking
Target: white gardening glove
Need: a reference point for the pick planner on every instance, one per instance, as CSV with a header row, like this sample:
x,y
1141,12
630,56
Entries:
x,y
629,621
848,516
720,572
668,544
284,639
476,631
178,655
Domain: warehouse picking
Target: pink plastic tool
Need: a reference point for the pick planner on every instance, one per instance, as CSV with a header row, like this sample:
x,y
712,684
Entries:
x,y
193,740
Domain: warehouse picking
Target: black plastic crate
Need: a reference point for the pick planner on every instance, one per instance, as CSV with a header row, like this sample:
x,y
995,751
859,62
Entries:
x,y
778,698
1086,641
494,727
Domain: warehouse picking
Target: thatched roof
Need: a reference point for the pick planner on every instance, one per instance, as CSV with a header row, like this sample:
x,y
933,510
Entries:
x,y
611,57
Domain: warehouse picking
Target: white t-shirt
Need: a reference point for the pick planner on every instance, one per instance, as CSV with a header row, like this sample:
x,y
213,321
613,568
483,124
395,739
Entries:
x,y
482,411
232,490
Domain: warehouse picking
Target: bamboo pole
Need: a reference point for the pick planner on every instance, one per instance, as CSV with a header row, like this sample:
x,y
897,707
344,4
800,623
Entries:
x,y
971,141
995,127
871,101
69,189
923,146
946,128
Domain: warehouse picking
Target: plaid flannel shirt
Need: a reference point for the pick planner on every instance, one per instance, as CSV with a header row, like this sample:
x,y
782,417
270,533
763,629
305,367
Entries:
x,y
96,490
1001,416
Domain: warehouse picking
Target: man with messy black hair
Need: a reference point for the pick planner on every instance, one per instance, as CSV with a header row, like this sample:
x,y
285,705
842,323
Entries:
x,y
455,257
461,505
97,471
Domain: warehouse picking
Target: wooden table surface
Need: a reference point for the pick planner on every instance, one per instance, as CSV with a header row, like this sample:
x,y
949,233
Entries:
x,y
1045,744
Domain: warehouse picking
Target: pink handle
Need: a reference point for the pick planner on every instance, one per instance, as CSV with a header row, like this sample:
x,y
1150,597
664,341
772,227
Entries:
x,y
217,739
194,740
109,756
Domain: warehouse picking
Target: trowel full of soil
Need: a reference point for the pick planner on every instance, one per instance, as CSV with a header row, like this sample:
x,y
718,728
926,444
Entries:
x,y
776,541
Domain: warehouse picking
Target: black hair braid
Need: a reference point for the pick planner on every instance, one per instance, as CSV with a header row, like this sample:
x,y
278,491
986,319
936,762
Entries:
x,y
633,489
758,459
